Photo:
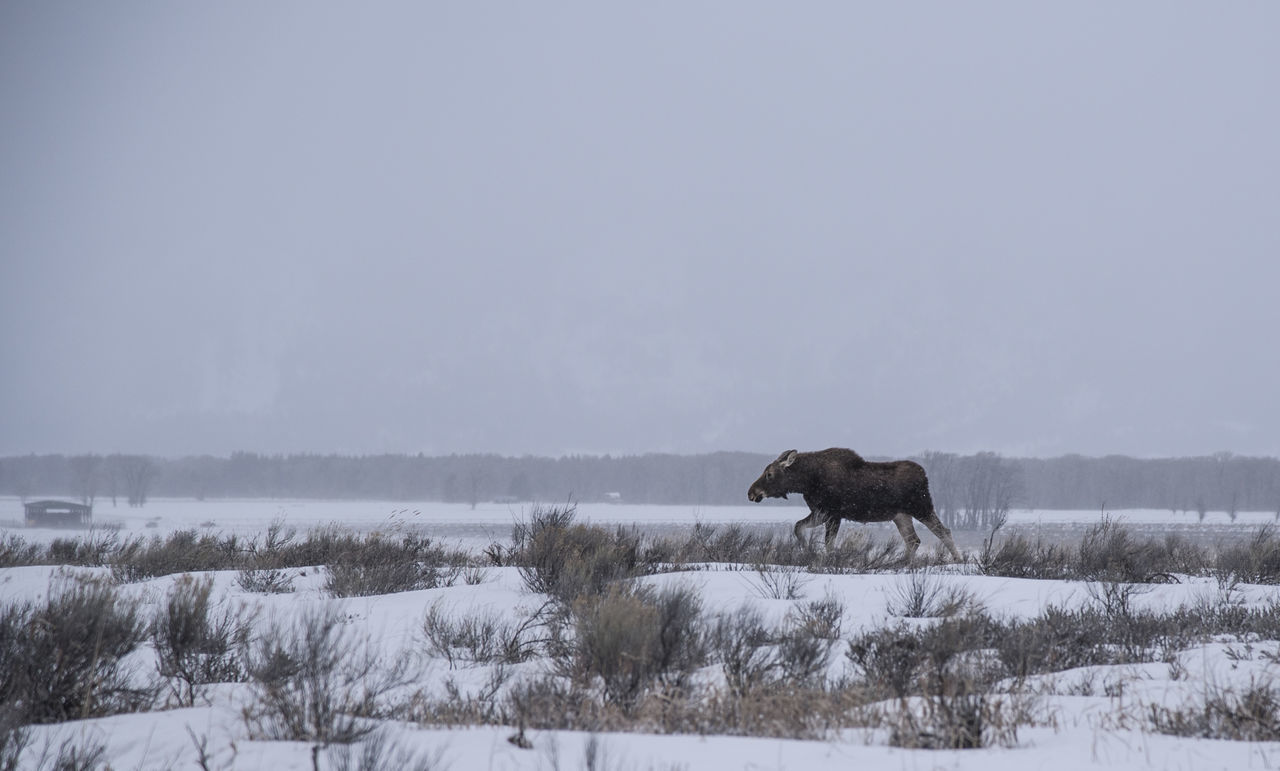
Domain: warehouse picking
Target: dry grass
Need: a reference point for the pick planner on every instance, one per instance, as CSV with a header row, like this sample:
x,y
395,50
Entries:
x,y
479,638
1251,714
926,594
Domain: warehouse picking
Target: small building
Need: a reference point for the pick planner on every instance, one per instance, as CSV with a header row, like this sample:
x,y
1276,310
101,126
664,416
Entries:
x,y
58,514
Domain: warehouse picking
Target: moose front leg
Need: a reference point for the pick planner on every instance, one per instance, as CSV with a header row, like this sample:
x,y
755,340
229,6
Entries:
x,y
814,519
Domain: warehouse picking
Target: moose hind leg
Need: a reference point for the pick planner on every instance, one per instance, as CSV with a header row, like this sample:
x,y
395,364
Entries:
x,y
943,532
903,521
833,527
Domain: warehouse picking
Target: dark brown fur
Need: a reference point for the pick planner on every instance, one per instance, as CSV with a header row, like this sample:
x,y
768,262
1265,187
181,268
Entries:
x,y
838,484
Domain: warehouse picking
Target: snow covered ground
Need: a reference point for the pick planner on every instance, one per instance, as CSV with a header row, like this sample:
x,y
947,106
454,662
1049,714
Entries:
x,y
1091,717
453,522
459,523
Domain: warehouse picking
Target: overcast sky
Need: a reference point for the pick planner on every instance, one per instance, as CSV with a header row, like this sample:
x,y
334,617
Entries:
x,y
558,228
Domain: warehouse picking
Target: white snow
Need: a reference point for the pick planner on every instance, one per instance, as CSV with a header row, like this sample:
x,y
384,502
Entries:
x,y
475,527
1086,727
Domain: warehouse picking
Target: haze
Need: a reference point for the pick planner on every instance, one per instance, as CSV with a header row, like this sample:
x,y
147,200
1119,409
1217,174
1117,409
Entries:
x,y
557,228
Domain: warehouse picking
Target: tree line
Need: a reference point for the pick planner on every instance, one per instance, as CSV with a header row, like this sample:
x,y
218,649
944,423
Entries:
x,y
968,490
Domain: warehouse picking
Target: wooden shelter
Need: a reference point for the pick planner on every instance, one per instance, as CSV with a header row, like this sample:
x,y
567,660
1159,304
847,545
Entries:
x,y
58,514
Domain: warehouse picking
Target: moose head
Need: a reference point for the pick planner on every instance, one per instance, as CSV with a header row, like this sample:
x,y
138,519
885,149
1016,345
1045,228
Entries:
x,y
773,483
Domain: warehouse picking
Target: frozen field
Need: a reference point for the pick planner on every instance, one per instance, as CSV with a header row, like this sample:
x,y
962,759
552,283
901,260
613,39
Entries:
x,y
1085,717
459,523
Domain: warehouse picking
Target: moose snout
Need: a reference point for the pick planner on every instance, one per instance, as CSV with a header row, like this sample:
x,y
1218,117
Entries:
x,y
754,495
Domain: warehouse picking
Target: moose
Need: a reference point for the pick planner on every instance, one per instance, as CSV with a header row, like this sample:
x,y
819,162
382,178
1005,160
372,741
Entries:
x,y
838,484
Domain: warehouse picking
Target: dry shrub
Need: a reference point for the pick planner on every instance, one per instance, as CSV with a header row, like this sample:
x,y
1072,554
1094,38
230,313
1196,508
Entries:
x,y
1016,556
481,638
925,594
960,708
680,637
1256,561
782,710
78,753
364,563
16,552
323,545
268,558
755,655
276,547
734,543
1250,715
14,737
1061,639
195,645
779,582
857,552
182,551
93,550
566,560
629,639
896,662
316,682
265,580
615,641
554,703
942,679
1113,632
379,751
377,564
1261,623
1176,554
1107,551
64,658
822,618
742,643
1055,640
962,714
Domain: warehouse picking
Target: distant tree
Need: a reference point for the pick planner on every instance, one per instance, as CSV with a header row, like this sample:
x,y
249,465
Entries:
x,y
85,477
972,492
942,470
137,472
114,476
967,489
990,485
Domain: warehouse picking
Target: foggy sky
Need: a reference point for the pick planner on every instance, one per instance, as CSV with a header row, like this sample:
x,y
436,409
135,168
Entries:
x,y
580,227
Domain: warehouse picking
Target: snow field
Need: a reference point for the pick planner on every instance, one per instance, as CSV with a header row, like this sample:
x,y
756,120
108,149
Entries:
x,y
1089,717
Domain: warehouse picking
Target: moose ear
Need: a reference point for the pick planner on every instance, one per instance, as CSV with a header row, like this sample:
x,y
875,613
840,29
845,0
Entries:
x,y
786,459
